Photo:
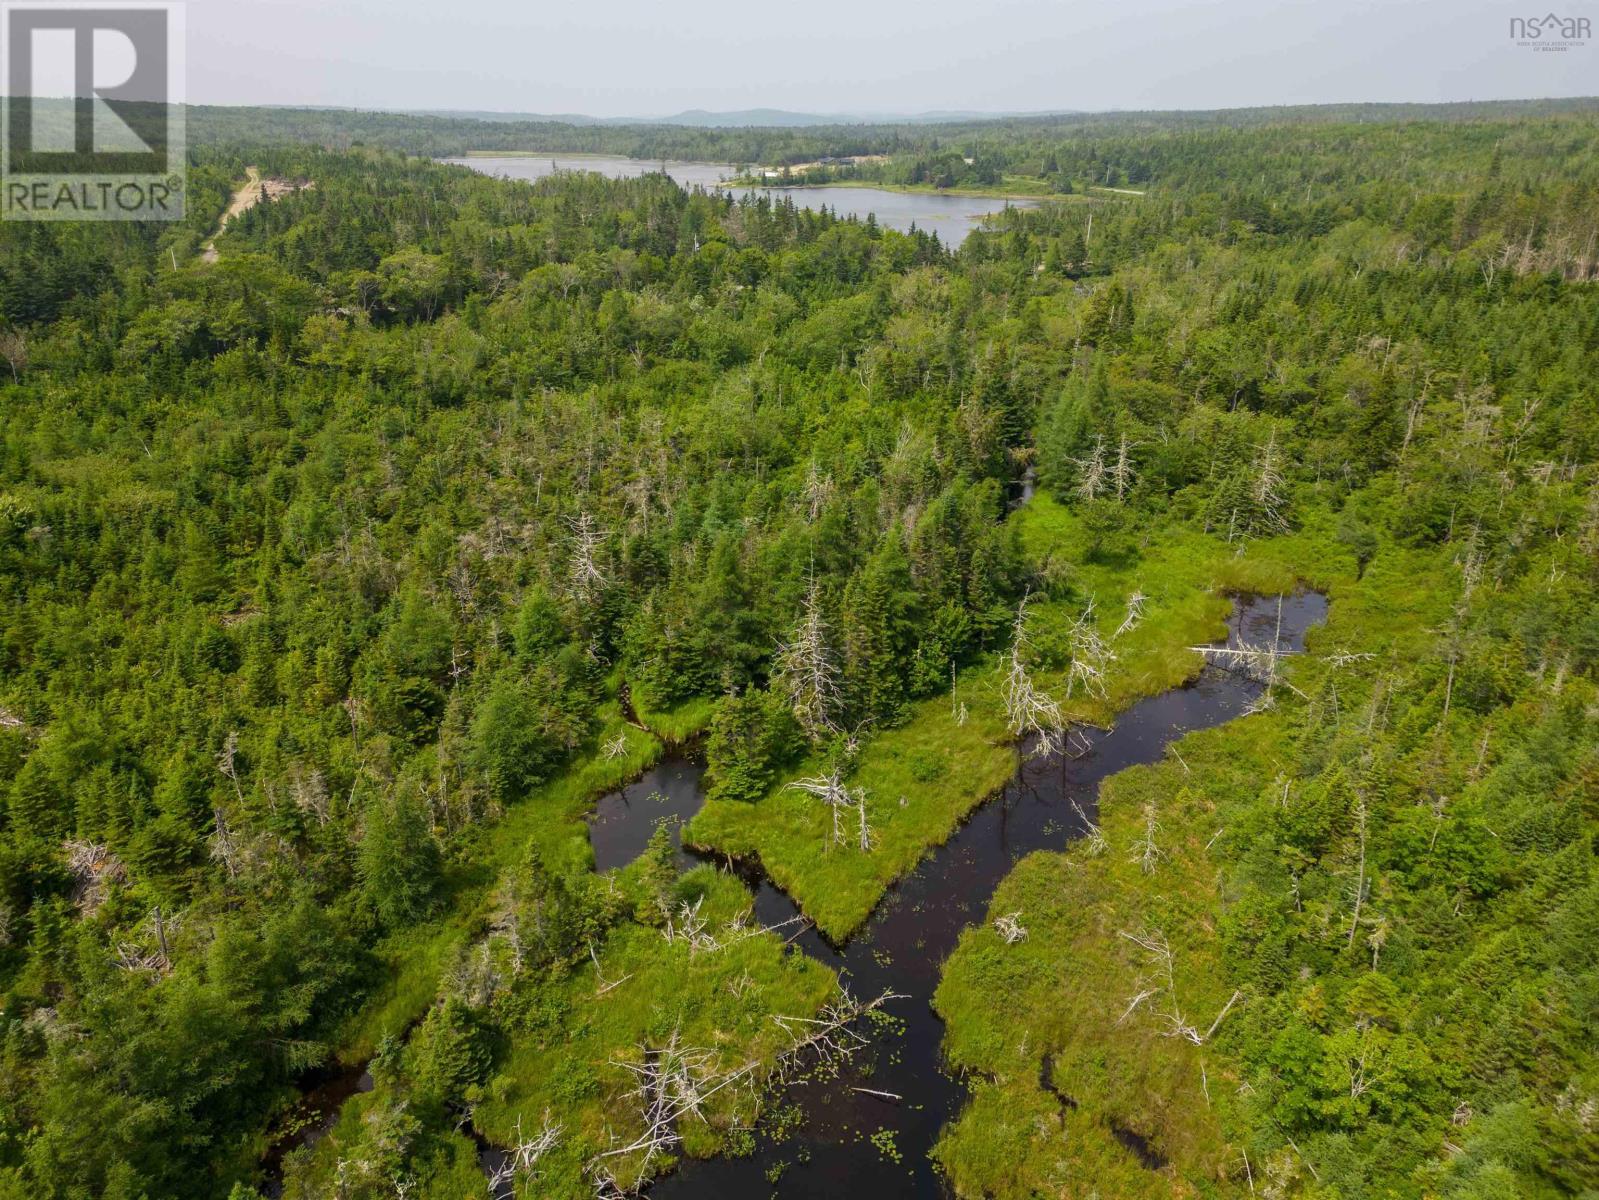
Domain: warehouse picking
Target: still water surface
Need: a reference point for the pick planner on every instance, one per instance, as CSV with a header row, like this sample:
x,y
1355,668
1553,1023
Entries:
x,y
903,946
950,217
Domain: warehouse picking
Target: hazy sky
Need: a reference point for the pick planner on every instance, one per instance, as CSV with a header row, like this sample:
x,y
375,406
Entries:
x,y
646,57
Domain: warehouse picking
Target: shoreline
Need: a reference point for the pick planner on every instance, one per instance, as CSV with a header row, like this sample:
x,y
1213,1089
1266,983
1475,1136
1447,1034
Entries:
x,y
744,182
913,189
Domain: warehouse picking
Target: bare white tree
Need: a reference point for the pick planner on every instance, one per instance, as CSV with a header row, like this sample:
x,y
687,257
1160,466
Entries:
x,y
1122,474
224,847
1377,938
1146,850
957,707
1135,614
227,761
1366,1065
1091,655
1028,708
818,491
603,985
310,793
865,839
1010,928
673,1081
1360,871
830,1037
1261,662
522,1161
1093,836
806,671
1158,982
1091,470
587,539
688,925
832,791
14,349
1269,491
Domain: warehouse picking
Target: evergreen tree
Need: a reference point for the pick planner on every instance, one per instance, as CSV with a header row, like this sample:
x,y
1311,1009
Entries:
x,y
399,860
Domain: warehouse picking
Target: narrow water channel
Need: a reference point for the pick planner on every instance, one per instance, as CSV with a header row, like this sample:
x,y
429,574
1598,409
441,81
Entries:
x,y
903,946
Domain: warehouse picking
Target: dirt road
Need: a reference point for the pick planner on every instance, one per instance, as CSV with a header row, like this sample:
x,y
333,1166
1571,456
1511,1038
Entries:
x,y
251,192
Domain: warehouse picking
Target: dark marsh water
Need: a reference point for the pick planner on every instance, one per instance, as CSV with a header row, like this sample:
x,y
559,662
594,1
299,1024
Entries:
x,y
624,821
903,946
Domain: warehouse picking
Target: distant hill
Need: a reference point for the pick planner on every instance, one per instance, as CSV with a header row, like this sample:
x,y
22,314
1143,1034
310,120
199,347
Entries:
x,y
1022,141
781,118
763,118
506,118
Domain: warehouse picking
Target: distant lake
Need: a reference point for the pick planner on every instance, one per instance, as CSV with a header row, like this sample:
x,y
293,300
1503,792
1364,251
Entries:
x,y
951,217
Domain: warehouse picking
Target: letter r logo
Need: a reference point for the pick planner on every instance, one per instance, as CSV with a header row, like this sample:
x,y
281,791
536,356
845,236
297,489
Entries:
x,y
88,87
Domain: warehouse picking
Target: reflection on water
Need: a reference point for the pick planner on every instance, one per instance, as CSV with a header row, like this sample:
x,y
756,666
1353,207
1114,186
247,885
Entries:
x,y
624,821
950,217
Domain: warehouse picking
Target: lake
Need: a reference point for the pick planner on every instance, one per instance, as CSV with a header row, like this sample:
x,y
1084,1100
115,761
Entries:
x,y
950,217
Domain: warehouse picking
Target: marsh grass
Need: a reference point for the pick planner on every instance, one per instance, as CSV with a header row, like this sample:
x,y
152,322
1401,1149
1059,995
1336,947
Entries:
x,y
562,1062
1068,984
680,724
721,1000
920,779
924,777
414,960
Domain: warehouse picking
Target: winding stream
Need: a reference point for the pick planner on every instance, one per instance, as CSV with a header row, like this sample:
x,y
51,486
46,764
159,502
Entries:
x,y
901,948
915,927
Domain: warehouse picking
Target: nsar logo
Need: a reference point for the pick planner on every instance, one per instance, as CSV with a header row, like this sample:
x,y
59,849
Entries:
x,y
1550,32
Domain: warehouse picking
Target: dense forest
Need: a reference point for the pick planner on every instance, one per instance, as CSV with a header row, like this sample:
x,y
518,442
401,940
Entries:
x,y
1120,148
340,575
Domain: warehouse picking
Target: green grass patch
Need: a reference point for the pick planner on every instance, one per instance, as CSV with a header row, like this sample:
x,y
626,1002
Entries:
x,y
720,1000
924,777
1043,1021
920,779
679,724
552,817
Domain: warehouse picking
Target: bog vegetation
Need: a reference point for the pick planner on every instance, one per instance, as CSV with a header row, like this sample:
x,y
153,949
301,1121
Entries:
x,y
338,576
